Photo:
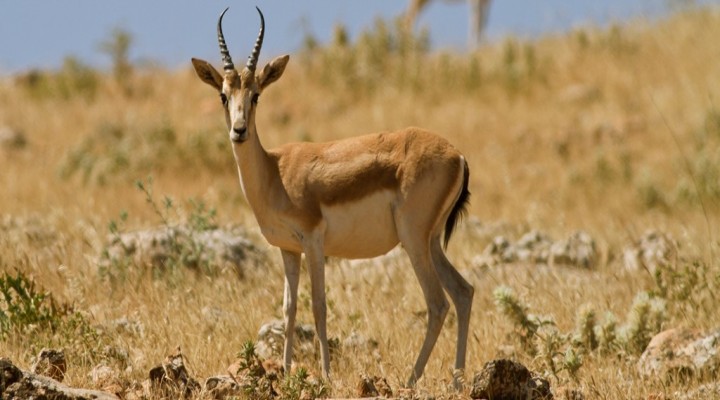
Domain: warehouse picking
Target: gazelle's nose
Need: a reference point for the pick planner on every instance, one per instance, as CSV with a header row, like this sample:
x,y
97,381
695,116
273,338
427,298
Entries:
x,y
238,133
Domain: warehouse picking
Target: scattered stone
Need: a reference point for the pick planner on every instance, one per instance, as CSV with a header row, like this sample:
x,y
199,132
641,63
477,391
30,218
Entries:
x,y
358,342
221,387
9,374
506,379
702,392
51,363
172,377
33,230
273,369
373,386
652,250
126,326
535,247
214,314
366,387
33,386
12,138
568,393
579,250
681,353
222,248
106,379
271,339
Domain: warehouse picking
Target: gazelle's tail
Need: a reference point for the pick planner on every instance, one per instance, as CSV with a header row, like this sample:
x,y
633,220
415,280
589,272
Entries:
x,y
460,208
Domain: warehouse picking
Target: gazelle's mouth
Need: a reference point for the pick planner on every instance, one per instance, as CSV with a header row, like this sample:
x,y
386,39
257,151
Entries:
x,y
238,137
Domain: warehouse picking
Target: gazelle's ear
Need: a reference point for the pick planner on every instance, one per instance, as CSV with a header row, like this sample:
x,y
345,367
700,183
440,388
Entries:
x,y
208,73
272,71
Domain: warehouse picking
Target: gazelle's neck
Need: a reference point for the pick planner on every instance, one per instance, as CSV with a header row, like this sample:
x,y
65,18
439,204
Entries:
x,y
255,169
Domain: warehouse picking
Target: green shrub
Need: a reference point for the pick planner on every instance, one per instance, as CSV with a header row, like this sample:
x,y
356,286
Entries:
x,y
33,314
23,305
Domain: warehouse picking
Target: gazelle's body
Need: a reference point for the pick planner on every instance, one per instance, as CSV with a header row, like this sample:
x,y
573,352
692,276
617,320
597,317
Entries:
x,y
350,192
352,198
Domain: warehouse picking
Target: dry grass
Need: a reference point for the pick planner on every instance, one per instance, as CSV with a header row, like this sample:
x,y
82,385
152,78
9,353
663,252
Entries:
x,y
610,131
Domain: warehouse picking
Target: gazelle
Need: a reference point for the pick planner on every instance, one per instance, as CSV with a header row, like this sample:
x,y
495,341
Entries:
x,y
352,198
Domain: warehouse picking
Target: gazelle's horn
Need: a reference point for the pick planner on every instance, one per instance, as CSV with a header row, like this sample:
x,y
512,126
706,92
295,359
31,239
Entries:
x,y
253,59
227,60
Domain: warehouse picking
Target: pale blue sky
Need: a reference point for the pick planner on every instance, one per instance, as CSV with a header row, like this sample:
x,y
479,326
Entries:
x,y
39,34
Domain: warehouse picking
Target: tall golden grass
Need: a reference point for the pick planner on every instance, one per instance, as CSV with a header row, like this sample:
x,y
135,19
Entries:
x,y
613,131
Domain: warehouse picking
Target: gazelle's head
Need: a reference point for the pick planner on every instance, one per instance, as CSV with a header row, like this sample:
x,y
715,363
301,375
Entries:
x,y
239,92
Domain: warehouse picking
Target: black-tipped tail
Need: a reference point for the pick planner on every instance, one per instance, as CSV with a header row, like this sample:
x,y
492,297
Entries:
x,y
460,208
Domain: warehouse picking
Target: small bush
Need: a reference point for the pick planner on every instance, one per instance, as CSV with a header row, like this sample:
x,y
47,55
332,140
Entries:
x,y
645,319
23,305
26,308
181,242
541,339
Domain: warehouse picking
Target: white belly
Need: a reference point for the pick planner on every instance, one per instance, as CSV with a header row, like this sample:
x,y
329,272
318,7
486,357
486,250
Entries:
x,y
361,229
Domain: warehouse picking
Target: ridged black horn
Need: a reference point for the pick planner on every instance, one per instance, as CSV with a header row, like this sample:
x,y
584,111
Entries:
x,y
253,59
227,60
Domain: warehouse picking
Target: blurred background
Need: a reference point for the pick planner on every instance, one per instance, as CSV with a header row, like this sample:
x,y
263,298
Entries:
x,y
38,34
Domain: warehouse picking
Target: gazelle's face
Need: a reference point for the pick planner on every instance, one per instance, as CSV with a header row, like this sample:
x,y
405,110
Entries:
x,y
239,96
239,92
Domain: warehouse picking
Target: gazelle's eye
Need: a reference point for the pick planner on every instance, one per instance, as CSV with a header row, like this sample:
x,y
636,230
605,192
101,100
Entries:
x,y
255,98
223,98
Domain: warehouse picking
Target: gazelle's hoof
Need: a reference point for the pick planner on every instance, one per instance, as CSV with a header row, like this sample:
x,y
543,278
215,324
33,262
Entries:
x,y
458,379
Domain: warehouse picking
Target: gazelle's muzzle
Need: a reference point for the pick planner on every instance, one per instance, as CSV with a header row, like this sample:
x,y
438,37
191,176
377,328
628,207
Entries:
x,y
239,133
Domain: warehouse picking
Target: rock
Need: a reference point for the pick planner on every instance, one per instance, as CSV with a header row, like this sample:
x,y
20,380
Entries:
x,y
218,248
578,250
702,392
538,248
172,377
271,339
661,355
652,250
533,246
373,386
125,325
680,353
366,387
568,393
103,377
51,363
221,387
9,374
358,342
12,138
33,386
506,379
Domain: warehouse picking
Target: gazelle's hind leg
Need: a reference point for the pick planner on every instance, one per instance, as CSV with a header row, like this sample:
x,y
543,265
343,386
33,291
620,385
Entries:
x,y
461,293
417,246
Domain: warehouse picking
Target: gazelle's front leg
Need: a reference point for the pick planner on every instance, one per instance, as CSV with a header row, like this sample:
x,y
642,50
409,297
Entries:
x,y
291,260
315,259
